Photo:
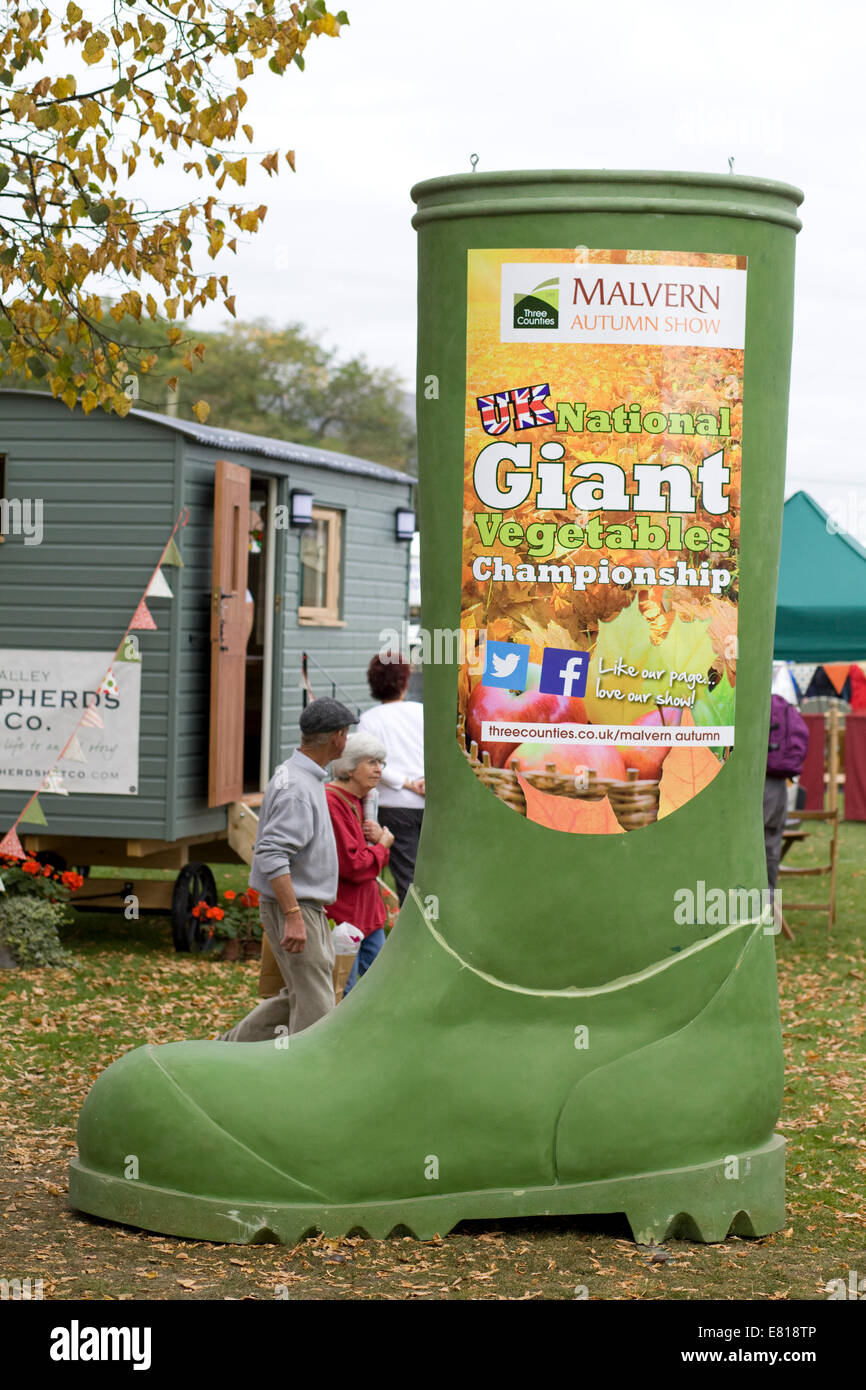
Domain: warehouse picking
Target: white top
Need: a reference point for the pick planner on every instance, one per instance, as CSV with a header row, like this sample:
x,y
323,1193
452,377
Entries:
x,y
399,725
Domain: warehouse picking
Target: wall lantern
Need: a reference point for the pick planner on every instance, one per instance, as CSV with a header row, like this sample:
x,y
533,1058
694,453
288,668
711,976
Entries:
x,y
301,508
405,524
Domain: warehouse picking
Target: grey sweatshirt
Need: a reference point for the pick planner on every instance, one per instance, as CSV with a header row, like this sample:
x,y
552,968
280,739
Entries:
x,y
295,835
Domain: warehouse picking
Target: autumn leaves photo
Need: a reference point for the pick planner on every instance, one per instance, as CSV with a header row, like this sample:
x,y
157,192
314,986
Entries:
x,y
601,535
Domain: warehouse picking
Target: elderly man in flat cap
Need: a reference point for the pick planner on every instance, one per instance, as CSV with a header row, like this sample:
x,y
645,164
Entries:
x,y
295,871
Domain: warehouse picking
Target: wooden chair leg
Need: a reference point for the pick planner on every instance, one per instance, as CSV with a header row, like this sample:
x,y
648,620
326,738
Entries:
x,y
834,844
833,805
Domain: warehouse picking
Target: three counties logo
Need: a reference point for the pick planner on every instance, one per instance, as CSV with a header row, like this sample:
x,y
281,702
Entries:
x,y
540,308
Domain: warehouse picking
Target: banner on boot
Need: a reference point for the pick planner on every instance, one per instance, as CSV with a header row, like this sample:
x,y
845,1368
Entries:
x,y
601,532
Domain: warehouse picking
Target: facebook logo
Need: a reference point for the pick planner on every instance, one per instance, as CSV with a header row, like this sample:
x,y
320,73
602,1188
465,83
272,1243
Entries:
x,y
506,665
563,672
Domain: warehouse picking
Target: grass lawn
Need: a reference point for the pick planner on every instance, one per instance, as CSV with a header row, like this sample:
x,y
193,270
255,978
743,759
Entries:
x,y
127,986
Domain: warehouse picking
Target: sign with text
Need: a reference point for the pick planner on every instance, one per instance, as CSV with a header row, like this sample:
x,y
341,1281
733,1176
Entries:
x,y
43,695
633,303
601,529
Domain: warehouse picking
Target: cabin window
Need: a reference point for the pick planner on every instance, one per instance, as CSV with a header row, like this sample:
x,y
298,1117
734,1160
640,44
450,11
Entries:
x,y
321,568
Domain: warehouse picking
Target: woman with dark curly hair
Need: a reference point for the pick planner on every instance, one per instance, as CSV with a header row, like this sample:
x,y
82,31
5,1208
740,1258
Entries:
x,y
398,723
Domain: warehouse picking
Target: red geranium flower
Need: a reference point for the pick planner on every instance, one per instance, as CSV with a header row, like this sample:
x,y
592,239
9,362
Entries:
x,y
253,895
196,912
229,895
216,912
30,866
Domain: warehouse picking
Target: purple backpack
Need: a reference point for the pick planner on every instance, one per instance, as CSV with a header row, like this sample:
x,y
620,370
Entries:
x,y
789,739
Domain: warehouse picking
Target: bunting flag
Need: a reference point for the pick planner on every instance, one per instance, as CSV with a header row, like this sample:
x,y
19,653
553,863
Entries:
x,y
837,673
803,671
142,620
172,555
129,650
10,845
784,683
108,685
33,814
91,719
73,751
53,782
158,587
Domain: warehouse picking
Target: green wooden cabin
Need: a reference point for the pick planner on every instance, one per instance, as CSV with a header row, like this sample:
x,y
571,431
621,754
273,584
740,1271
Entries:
x,y
217,711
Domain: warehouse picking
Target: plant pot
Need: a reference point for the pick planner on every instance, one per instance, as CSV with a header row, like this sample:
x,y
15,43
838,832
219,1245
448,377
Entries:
x,y
251,948
231,950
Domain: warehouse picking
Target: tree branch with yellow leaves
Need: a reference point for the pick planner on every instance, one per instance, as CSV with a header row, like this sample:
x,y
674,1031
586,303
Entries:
x,y
169,79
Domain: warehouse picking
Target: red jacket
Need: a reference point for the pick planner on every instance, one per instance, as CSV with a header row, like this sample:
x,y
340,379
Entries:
x,y
358,899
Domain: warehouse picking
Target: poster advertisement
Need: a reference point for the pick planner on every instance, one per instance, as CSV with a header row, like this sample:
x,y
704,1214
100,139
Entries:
x,y
43,695
601,530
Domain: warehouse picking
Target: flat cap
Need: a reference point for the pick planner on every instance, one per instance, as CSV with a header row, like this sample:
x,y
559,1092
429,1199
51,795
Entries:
x,y
325,717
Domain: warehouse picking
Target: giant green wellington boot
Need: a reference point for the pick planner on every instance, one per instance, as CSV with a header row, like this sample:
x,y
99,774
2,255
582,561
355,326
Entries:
x,y
569,1016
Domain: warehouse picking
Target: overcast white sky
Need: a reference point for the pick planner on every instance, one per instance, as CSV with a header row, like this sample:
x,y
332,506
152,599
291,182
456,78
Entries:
x,y
409,90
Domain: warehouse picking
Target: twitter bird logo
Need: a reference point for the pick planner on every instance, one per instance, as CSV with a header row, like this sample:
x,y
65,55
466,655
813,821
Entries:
x,y
506,665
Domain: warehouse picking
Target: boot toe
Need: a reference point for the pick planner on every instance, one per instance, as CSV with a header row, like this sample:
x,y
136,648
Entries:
x,y
141,1124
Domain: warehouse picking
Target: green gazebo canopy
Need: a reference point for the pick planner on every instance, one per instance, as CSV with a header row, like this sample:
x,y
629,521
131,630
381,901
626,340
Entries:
x,y
821,601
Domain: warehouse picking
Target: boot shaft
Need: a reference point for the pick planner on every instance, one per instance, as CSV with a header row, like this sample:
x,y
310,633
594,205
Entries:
x,y
532,905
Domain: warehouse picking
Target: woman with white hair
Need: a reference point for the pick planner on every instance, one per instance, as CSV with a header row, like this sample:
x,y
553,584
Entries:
x,y
363,847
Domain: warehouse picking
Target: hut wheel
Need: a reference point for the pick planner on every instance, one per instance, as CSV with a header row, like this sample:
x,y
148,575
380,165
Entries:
x,y
194,883
59,864
50,856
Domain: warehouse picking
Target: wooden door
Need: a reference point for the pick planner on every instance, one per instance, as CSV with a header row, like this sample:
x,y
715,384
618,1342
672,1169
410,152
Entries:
x,y
228,633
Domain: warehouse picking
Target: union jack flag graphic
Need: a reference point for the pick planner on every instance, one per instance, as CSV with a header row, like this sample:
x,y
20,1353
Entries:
x,y
529,410
495,412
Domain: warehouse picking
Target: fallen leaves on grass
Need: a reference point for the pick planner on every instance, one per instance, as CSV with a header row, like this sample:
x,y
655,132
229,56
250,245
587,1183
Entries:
x,y
140,988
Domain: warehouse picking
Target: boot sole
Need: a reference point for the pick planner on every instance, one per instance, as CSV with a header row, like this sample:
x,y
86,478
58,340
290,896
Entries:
x,y
740,1194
